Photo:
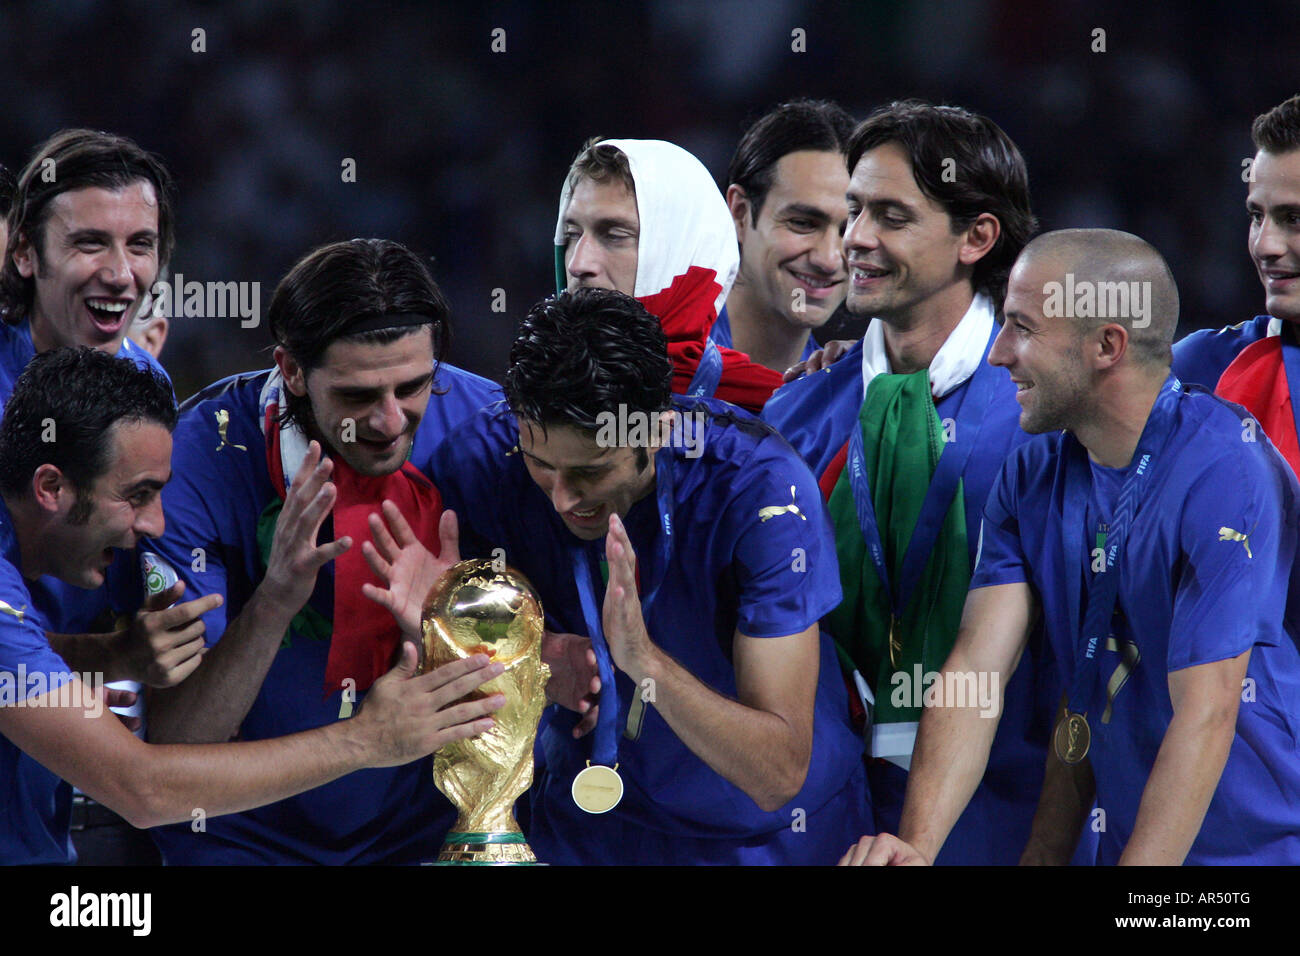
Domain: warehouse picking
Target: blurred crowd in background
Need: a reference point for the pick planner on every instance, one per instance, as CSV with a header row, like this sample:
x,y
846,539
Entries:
x,y
460,150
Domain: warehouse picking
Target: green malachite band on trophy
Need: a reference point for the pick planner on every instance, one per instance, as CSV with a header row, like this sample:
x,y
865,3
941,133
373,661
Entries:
x,y
484,838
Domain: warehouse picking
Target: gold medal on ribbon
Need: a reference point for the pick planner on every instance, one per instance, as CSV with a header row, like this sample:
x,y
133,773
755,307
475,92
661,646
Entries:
x,y
597,789
1072,738
895,642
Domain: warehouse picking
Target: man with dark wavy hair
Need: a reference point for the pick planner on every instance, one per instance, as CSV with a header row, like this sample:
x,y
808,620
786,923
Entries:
x,y
691,537
345,421
908,431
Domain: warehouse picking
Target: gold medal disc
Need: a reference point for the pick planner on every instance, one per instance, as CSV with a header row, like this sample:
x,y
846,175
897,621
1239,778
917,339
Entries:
x,y
597,789
1072,738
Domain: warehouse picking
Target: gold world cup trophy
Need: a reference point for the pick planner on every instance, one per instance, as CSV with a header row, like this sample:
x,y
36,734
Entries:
x,y
476,609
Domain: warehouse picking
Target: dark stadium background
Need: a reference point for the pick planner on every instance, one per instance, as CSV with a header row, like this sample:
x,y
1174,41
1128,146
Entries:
x,y
460,150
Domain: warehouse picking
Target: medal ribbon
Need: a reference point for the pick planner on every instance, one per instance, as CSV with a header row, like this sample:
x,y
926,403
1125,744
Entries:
x,y
707,374
604,748
1091,632
938,497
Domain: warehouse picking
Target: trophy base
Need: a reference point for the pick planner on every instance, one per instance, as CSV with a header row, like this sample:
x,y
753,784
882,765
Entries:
x,y
502,848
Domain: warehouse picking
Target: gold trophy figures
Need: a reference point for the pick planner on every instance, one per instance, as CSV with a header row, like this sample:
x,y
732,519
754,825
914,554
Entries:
x,y
475,609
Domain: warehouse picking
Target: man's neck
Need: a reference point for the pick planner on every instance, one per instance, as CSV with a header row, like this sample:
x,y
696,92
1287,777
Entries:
x,y
1114,426
765,336
912,340
27,533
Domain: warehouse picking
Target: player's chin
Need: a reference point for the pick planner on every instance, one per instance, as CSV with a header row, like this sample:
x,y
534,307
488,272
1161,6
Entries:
x,y
375,460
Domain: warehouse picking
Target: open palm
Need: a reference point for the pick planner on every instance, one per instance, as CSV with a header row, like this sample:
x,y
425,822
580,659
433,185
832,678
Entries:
x,y
408,568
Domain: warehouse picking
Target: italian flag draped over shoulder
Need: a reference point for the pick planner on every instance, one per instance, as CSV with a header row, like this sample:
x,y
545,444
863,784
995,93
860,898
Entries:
x,y
902,442
687,259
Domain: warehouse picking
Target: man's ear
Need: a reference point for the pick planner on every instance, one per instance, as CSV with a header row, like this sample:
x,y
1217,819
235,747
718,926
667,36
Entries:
x,y
155,336
295,379
1112,341
979,238
738,203
25,256
49,486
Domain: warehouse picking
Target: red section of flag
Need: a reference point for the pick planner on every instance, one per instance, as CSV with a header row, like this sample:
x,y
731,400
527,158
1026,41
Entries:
x,y
685,309
1256,380
833,471
365,636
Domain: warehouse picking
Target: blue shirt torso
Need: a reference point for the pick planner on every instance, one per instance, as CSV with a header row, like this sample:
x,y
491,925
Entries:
x,y
1191,591
35,805
729,570
213,503
816,414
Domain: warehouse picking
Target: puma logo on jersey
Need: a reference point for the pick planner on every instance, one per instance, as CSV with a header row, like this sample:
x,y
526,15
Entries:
x,y
223,422
7,608
1227,534
773,511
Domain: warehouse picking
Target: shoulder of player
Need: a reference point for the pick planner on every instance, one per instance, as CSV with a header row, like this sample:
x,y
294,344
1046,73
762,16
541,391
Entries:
x,y
1210,342
143,358
222,416
488,438
787,404
18,611
1219,441
456,380
740,459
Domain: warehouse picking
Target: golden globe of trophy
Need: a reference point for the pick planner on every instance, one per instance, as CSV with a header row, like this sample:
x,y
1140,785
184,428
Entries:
x,y
476,609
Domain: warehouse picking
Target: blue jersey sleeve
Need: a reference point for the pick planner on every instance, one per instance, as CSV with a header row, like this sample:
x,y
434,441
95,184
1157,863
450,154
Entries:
x,y
24,649
785,551
999,556
1230,594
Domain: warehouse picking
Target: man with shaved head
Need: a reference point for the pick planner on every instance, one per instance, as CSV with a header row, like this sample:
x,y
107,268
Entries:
x,y
1157,541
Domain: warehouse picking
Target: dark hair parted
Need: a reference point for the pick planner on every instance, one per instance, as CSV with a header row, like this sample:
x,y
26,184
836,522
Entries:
x,y
8,185
77,159
964,162
601,164
62,410
584,352
1278,130
334,287
801,124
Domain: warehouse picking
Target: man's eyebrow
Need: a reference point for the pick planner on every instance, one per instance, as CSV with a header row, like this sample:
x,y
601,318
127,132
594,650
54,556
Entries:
x,y
146,484
804,209
605,222
590,466
884,205
1281,209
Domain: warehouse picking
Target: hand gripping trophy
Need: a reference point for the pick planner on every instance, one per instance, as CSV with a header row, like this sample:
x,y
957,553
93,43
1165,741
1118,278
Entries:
x,y
474,609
